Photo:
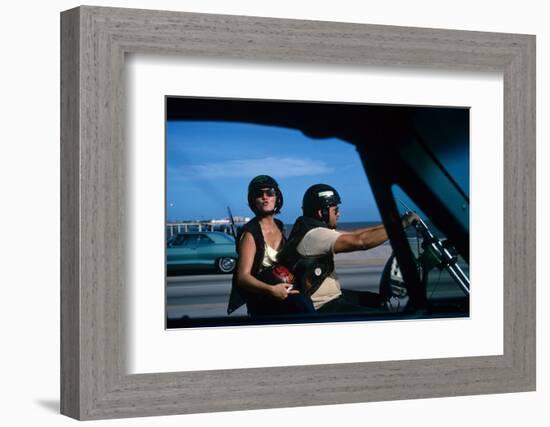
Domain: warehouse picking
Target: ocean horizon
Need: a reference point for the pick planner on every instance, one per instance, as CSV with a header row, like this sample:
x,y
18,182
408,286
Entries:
x,y
344,226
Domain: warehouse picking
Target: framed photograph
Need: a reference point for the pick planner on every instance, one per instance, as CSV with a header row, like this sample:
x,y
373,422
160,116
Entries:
x,y
216,151
190,141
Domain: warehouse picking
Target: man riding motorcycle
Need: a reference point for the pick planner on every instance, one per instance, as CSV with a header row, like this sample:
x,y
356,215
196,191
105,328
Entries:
x,y
312,244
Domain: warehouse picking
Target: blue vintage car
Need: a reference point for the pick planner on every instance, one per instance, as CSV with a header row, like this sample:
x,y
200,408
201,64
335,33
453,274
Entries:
x,y
201,251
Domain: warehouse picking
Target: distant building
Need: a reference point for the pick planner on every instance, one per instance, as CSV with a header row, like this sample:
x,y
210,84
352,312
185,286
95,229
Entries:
x,y
237,219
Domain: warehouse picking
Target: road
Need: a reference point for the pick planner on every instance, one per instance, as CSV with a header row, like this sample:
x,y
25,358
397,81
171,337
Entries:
x,y
207,295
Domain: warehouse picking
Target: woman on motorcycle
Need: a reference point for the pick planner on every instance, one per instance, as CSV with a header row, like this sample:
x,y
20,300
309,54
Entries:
x,y
266,287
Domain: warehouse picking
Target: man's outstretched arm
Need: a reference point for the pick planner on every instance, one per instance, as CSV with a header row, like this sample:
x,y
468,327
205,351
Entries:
x,y
367,238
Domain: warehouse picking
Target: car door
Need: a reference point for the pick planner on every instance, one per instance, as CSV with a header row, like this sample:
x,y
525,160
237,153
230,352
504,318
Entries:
x,y
183,251
206,251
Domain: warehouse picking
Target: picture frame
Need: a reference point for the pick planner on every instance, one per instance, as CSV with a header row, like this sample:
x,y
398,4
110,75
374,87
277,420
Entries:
x,y
94,381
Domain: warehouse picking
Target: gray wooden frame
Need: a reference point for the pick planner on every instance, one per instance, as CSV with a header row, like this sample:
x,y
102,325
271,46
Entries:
x,y
94,41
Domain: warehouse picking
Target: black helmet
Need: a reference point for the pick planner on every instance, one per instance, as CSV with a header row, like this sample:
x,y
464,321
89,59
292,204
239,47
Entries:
x,y
320,196
264,181
276,274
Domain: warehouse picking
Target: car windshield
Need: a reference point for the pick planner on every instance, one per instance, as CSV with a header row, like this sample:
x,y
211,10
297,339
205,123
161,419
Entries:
x,y
191,240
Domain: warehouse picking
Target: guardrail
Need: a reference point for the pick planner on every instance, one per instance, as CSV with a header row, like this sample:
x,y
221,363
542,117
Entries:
x,y
173,228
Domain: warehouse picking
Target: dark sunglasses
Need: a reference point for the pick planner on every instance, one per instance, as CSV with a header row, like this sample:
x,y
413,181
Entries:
x,y
336,209
270,192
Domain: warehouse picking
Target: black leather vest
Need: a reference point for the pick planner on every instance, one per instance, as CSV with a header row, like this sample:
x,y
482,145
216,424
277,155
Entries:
x,y
237,296
309,271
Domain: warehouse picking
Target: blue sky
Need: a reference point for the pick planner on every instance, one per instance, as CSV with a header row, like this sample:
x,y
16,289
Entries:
x,y
209,166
